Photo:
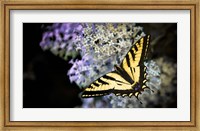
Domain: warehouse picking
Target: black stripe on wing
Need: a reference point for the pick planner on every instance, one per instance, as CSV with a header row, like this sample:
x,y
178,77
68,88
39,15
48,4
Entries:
x,y
132,54
124,74
144,50
95,88
88,94
102,82
111,78
135,47
145,46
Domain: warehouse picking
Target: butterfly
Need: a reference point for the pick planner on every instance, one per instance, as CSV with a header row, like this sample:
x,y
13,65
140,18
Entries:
x,y
128,79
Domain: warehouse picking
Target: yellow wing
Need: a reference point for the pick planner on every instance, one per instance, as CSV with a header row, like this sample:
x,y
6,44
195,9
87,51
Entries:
x,y
135,58
109,83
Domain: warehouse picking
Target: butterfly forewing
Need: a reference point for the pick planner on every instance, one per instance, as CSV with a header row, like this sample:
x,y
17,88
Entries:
x,y
106,85
135,57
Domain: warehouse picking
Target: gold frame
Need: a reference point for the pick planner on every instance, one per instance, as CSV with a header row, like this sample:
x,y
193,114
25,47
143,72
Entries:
x,y
7,5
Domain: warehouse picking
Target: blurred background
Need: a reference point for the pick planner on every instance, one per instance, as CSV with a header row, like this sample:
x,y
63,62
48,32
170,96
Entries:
x,y
47,85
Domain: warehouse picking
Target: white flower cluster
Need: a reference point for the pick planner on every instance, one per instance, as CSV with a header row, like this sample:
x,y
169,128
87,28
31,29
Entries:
x,y
110,39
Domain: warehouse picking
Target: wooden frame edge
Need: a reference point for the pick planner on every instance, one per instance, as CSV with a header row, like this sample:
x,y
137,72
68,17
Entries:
x,y
5,7
1,65
7,66
99,2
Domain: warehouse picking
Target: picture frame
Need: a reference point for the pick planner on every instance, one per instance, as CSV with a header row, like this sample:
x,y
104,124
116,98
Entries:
x,y
7,6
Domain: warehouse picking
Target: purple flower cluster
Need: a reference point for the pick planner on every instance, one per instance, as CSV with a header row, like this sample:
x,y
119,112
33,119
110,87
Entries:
x,y
62,39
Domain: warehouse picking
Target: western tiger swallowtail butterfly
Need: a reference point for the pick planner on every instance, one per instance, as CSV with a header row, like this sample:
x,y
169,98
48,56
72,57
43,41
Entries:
x,y
128,79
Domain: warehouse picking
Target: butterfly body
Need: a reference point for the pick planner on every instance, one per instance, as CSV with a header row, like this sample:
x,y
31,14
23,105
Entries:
x,y
128,79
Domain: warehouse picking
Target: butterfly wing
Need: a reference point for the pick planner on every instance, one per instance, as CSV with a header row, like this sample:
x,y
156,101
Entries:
x,y
133,61
114,82
110,83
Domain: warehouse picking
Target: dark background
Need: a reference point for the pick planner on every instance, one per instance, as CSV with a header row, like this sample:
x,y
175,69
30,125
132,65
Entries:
x,y
45,80
50,87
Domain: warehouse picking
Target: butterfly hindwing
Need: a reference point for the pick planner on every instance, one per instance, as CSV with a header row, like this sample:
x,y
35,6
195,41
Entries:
x,y
143,76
